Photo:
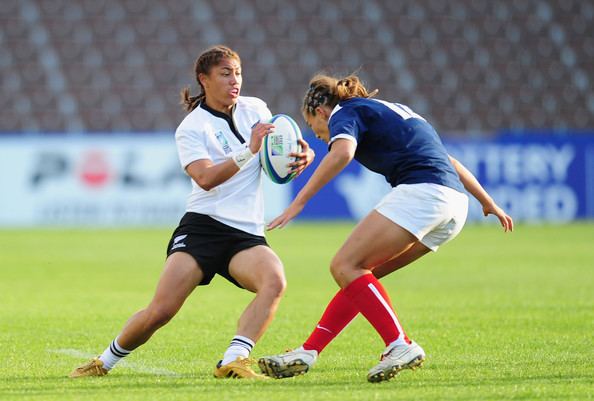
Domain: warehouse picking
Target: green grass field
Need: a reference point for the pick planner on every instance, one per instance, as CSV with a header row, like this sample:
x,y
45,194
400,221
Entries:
x,y
501,316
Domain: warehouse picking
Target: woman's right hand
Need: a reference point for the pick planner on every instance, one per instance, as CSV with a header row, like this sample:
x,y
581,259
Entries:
x,y
259,131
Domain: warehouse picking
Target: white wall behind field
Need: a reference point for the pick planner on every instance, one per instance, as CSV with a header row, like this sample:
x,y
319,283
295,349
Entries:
x,y
96,180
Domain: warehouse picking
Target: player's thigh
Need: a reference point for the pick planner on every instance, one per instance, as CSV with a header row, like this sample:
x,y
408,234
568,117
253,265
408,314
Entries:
x,y
256,267
375,240
178,279
405,258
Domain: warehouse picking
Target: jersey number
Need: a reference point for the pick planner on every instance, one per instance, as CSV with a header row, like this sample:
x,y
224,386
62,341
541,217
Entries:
x,y
403,111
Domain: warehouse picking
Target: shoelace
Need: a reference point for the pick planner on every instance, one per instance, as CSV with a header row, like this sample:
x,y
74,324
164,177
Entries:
x,y
92,365
384,355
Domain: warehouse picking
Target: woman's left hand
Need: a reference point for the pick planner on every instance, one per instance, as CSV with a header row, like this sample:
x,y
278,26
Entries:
x,y
506,221
293,210
304,158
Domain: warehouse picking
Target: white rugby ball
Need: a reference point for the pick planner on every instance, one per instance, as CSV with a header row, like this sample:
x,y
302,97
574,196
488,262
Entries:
x,y
274,155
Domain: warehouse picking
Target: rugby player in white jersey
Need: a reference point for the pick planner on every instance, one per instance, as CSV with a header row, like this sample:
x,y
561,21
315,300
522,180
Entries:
x,y
222,231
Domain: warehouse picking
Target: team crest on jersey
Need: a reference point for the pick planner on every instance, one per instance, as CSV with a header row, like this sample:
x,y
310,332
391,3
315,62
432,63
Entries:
x,y
223,141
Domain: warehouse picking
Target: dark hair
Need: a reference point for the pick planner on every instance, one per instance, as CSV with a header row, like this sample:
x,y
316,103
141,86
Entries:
x,y
203,65
325,90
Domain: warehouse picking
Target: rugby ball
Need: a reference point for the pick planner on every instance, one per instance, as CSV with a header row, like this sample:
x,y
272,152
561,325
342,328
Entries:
x,y
274,155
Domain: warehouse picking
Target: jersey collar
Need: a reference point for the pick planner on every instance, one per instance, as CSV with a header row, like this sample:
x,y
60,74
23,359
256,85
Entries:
x,y
225,117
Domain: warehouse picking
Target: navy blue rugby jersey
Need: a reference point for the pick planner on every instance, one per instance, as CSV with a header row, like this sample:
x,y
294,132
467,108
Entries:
x,y
393,141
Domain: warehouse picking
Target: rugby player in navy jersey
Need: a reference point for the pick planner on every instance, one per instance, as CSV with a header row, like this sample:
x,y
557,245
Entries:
x,y
426,208
222,231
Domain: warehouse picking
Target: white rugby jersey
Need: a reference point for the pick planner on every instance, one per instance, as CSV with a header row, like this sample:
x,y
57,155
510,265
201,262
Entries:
x,y
208,134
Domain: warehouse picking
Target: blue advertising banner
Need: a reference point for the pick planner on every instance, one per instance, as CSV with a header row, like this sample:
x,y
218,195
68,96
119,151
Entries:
x,y
136,180
536,177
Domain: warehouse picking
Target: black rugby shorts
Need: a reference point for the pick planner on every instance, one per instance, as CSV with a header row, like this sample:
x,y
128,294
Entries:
x,y
211,243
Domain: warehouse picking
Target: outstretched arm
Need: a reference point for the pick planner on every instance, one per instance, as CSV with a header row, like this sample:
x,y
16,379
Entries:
x,y
476,189
340,154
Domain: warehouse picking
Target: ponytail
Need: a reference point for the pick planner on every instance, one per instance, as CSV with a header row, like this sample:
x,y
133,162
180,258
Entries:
x,y
325,90
188,102
352,86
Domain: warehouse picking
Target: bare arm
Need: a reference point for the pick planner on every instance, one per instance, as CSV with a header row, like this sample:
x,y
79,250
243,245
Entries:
x,y
472,185
209,175
341,153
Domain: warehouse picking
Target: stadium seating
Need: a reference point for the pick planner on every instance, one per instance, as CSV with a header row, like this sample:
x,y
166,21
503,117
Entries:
x,y
470,66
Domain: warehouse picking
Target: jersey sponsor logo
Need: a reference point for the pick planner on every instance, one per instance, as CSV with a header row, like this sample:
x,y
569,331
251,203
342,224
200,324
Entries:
x,y
177,243
223,141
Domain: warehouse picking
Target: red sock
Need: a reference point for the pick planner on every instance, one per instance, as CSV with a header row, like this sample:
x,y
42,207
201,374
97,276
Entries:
x,y
339,312
369,296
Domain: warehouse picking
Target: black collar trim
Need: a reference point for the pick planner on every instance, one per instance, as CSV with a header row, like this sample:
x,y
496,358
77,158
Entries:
x,y
225,117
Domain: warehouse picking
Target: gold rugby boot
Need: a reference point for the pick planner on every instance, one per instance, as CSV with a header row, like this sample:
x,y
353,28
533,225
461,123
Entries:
x,y
92,368
241,368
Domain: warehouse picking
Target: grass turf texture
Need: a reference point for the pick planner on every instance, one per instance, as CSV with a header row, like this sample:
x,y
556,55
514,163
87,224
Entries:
x,y
500,317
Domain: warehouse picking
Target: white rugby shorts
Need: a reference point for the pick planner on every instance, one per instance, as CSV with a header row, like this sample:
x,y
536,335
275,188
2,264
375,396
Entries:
x,y
433,213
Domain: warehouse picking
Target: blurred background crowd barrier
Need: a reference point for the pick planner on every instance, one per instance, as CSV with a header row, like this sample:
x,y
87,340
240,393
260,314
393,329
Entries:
x,y
89,97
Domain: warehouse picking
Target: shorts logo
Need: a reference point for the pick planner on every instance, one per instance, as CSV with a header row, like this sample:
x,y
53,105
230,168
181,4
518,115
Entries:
x,y
177,243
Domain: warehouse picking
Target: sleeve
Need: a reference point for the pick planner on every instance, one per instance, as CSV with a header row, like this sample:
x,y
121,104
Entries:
x,y
345,123
263,110
191,146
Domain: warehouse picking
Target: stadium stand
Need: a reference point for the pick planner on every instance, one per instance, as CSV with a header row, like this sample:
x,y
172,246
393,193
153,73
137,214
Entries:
x,y
468,65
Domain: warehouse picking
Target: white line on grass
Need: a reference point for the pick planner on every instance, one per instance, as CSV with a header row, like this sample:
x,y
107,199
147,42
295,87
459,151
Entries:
x,y
130,365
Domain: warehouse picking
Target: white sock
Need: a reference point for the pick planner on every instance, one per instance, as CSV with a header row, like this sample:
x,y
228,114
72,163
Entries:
x,y
398,342
113,354
240,347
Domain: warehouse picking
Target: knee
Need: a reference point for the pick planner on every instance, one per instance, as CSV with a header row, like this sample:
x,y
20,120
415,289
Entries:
x,y
158,316
344,270
275,286
337,267
278,286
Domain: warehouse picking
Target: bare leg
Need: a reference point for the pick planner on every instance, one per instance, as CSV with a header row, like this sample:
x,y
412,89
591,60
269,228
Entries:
x,y
340,311
337,315
400,261
259,270
179,278
374,242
